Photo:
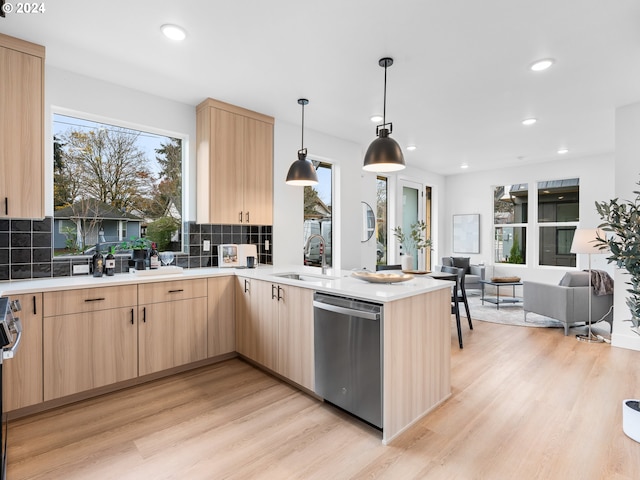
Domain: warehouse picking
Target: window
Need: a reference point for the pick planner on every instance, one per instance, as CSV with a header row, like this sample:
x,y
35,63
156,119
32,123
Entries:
x,y
510,204
558,216
317,216
381,220
110,182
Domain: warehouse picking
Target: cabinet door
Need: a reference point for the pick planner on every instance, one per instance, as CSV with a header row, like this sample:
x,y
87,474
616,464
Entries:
x,y
21,134
172,334
246,334
295,335
258,176
22,375
227,167
89,350
221,328
256,327
264,318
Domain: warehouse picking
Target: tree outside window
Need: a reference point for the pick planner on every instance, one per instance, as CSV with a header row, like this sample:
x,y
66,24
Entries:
x,y
111,183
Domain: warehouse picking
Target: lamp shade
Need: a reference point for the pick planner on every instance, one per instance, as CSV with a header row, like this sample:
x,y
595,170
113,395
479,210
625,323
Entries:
x,y
302,172
384,154
584,240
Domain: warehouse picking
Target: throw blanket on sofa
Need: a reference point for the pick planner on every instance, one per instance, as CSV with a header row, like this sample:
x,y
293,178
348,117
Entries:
x,y
602,283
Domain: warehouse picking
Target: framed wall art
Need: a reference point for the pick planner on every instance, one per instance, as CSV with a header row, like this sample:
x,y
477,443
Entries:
x,y
466,233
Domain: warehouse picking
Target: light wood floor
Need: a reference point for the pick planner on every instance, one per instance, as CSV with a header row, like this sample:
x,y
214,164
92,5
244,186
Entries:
x,y
528,403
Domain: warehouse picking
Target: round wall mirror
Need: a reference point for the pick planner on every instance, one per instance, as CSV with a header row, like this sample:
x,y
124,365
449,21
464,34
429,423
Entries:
x,y
368,222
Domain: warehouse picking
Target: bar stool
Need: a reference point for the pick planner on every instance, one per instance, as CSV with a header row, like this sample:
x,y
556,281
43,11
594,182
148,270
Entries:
x,y
458,295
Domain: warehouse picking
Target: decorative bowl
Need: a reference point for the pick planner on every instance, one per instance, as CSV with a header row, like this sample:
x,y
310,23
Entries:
x,y
381,277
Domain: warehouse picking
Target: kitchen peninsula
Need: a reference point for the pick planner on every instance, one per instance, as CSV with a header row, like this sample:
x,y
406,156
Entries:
x,y
149,326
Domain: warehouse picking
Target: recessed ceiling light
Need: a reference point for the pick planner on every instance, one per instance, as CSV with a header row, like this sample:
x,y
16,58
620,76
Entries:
x,y
562,151
529,121
173,32
411,148
376,118
540,65
464,165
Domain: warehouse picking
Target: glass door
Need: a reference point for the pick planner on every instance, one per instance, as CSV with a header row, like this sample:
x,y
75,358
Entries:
x,y
412,211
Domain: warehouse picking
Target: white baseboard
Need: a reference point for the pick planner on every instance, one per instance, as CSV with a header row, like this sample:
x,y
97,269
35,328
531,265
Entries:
x,y
628,340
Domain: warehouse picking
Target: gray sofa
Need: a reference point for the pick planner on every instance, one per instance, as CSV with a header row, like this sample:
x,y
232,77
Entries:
x,y
568,302
472,273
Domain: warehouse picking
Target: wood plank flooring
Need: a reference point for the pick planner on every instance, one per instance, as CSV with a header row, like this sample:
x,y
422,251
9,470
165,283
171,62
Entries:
x,y
528,403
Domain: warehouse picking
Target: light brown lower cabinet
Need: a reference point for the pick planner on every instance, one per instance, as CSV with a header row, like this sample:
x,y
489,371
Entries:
x,y
22,374
172,332
275,328
256,329
87,350
295,334
221,327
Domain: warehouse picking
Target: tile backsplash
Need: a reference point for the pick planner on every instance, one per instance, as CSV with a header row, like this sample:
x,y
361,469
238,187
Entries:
x,y
26,248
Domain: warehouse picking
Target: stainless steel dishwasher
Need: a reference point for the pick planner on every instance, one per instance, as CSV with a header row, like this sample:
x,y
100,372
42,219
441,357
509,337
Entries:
x,y
348,355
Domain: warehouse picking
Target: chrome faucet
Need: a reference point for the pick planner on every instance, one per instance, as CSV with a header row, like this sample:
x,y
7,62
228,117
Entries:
x,y
323,245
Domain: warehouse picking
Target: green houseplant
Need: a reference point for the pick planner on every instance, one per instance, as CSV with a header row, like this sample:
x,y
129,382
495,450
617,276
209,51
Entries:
x,y
138,247
413,241
622,218
135,243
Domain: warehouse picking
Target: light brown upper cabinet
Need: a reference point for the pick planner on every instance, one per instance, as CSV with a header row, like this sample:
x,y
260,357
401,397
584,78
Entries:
x,y
234,165
21,128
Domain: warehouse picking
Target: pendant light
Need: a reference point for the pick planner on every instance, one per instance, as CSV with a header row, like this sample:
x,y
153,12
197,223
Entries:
x,y
384,154
301,171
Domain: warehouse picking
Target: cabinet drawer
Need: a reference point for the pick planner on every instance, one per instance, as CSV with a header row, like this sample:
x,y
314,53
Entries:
x,y
89,300
169,291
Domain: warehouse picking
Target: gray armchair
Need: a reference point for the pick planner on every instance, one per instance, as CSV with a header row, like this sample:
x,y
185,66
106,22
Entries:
x,y
472,273
568,302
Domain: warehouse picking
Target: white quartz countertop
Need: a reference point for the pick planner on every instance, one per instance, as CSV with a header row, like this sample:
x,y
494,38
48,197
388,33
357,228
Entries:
x,y
335,282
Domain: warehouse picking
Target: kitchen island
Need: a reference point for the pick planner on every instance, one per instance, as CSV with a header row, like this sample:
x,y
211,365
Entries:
x,y
416,332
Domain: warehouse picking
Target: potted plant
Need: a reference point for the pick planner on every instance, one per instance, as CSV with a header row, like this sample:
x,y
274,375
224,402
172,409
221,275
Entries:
x,y
622,218
138,247
413,241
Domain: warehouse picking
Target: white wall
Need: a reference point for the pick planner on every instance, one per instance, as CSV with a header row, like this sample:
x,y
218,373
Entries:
x,y
627,170
472,192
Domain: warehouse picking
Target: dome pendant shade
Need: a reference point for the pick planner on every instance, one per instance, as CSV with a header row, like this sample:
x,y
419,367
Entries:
x,y
302,172
384,154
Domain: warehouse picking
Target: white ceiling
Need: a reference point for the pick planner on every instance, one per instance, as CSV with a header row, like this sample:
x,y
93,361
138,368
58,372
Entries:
x,y
459,87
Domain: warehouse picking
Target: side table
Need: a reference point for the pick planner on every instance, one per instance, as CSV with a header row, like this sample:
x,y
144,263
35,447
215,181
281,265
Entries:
x,y
497,300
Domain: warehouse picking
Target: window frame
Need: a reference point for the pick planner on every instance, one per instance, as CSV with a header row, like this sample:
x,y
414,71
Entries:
x,y
538,225
525,225
331,240
121,123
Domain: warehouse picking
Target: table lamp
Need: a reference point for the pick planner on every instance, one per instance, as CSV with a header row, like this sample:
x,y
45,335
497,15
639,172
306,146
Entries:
x,y
584,241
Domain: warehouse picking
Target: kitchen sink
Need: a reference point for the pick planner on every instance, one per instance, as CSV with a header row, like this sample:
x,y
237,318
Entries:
x,y
303,277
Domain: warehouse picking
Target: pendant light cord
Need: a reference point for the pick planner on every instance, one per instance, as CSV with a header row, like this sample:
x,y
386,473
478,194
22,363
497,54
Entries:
x,y
384,101
302,146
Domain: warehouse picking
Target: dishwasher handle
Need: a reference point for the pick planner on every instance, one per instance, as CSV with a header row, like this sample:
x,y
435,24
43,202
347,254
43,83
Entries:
x,y
346,311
